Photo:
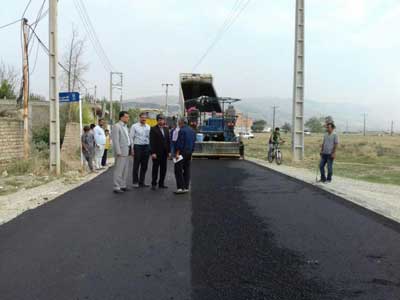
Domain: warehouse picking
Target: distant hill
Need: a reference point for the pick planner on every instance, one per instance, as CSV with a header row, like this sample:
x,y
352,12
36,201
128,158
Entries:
x,y
344,114
154,102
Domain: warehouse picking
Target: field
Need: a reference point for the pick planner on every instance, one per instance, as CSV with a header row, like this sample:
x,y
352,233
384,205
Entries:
x,y
371,158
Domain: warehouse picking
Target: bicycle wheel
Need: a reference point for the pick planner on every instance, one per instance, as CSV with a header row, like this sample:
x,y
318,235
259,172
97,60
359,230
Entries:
x,y
278,157
270,156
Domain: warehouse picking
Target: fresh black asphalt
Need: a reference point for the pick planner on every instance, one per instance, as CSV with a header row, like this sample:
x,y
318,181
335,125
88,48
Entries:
x,y
243,233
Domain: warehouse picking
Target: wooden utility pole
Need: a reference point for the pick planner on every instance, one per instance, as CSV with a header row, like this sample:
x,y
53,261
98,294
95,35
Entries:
x,y
55,153
27,148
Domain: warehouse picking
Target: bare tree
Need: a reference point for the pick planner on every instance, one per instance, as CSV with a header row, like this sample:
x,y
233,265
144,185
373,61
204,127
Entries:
x,y
75,67
73,60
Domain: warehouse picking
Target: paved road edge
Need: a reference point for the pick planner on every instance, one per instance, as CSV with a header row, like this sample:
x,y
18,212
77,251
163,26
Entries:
x,y
374,206
13,205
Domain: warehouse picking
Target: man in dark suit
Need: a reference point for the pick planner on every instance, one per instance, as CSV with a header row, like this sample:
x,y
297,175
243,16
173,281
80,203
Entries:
x,y
160,150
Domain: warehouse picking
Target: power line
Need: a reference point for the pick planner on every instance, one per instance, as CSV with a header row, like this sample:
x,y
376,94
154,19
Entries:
x,y
48,53
91,37
236,11
26,8
88,25
9,24
95,34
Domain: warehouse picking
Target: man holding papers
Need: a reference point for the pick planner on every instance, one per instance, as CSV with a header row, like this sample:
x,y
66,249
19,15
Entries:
x,y
183,156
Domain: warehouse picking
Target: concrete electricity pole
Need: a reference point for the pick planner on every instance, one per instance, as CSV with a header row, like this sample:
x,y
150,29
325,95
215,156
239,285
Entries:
x,y
112,86
273,116
166,96
27,148
392,128
55,159
365,124
298,85
95,94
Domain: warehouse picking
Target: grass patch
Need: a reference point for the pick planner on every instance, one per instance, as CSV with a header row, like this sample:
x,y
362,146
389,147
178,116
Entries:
x,y
370,158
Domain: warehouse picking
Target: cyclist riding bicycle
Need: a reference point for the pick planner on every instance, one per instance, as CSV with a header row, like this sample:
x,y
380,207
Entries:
x,y
275,139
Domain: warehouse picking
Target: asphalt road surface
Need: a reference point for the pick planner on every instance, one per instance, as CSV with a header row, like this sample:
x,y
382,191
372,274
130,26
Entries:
x,y
243,233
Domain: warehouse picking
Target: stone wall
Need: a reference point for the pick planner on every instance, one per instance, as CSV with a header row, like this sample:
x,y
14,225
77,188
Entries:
x,y
39,112
70,151
11,140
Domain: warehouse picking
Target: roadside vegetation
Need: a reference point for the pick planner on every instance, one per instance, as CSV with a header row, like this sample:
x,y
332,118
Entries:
x,y
370,158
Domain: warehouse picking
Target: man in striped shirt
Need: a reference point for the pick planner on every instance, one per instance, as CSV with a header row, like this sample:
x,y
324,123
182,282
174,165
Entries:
x,y
140,134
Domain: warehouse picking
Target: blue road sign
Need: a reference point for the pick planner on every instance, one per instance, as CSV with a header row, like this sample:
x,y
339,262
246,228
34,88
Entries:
x,y
68,97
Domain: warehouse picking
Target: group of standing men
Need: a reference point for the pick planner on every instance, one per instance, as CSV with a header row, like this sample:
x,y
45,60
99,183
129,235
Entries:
x,y
95,142
142,142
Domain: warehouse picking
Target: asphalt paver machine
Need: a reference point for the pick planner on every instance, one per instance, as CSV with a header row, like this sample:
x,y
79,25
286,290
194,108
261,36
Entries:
x,y
212,117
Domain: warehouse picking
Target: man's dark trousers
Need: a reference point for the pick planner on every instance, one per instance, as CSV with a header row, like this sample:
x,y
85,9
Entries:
x,y
160,163
182,172
141,160
326,159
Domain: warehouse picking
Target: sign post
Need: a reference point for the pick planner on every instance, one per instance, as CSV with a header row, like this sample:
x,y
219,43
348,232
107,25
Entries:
x,y
67,97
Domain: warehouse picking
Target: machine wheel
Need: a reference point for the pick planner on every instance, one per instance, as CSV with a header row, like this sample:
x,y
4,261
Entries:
x,y
278,157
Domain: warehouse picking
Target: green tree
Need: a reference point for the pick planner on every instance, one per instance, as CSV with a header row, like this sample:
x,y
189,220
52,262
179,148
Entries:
x,y
36,97
133,115
258,125
6,90
287,127
315,124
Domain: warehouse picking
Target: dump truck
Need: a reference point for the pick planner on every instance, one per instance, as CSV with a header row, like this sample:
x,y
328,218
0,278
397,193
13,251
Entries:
x,y
212,117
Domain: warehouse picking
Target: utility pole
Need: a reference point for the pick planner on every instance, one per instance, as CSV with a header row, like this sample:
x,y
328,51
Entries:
x,y
55,157
166,96
392,128
365,124
111,98
273,116
27,148
112,86
120,97
95,94
298,85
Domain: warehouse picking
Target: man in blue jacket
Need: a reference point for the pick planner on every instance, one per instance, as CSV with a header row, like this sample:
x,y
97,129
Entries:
x,y
184,148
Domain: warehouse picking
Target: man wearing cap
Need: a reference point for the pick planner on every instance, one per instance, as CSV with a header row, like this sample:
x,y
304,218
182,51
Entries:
x,y
160,150
183,156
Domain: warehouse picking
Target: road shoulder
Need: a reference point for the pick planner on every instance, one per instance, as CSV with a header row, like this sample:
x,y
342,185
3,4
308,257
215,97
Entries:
x,y
12,205
382,199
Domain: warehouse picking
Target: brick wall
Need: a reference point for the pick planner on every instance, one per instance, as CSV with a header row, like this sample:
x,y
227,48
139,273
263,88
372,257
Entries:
x,y
11,140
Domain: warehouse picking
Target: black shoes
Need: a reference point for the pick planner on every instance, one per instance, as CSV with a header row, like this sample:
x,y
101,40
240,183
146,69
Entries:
x,y
121,191
162,187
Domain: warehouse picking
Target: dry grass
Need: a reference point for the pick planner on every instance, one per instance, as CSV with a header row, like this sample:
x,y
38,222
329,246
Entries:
x,y
371,158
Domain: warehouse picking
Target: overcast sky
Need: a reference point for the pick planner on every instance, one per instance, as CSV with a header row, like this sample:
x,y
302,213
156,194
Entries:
x,y
352,47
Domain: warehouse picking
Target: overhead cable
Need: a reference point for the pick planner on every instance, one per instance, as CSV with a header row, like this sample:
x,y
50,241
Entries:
x,y
236,11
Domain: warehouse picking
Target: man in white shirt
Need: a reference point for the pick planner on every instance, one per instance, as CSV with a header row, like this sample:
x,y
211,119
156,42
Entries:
x,y
100,141
140,135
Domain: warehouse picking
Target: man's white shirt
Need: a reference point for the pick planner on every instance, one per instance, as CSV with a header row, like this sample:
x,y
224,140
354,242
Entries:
x,y
140,134
99,135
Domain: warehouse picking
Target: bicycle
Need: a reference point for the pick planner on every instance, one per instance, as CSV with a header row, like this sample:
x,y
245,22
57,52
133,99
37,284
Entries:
x,y
275,153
